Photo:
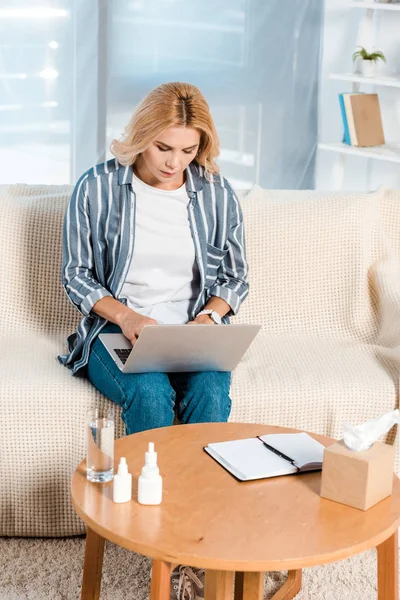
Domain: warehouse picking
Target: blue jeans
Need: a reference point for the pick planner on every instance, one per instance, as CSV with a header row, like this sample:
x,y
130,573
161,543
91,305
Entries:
x,y
150,400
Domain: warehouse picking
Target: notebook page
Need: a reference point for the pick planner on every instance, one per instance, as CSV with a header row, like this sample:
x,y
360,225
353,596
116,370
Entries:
x,y
250,459
300,446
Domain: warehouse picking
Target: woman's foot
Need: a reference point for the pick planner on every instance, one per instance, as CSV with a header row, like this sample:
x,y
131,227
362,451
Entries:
x,y
187,583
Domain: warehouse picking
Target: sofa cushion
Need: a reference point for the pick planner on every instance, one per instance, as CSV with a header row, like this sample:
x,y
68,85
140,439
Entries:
x,y
42,435
389,218
312,383
31,293
309,257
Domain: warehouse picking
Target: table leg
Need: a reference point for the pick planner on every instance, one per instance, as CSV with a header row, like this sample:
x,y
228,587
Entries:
x,y
92,566
253,586
160,580
219,585
388,579
291,587
239,580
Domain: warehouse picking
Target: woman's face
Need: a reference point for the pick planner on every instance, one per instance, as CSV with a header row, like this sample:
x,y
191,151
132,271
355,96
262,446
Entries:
x,y
162,164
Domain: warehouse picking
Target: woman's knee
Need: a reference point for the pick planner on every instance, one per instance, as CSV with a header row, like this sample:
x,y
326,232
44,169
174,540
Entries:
x,y
206,398
151,390
216,399
212,383
150,402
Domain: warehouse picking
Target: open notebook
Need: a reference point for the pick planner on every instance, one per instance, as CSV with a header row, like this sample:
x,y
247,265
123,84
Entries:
x,y
268,455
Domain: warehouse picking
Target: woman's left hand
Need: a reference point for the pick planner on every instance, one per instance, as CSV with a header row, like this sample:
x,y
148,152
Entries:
x,y
202,320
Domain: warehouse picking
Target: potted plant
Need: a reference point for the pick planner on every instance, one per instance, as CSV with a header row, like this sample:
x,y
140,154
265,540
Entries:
x,y
368,60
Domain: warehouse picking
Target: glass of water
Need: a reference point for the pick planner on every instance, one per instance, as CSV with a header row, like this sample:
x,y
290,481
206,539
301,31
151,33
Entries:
x,y
100,445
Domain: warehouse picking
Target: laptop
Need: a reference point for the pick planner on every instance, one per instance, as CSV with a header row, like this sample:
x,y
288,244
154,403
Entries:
x,y
181,348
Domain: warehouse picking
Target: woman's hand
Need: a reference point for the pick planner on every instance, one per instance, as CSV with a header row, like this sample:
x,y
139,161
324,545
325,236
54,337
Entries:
x,y
132,324
202,320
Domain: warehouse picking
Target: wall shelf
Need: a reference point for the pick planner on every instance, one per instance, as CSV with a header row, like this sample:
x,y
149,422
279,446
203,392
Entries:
x,y
374,5
358,78
387,152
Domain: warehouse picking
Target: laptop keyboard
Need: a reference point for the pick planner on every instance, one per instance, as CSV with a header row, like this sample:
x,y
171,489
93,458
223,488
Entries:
x,y
122,354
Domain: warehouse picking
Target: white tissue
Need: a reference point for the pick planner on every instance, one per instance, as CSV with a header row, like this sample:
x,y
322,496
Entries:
x,y
361,437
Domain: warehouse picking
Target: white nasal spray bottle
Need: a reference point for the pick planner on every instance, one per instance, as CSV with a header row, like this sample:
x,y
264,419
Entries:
x,y
150,481
122,490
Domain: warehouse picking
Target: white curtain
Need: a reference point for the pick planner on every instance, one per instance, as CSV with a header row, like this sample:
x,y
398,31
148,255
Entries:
x,y
72,72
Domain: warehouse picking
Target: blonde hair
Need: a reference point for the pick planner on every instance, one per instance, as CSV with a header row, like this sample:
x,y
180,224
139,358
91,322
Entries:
x,y
172,104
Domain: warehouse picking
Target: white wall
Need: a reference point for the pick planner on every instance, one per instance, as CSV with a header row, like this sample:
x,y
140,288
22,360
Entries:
x,y
340,38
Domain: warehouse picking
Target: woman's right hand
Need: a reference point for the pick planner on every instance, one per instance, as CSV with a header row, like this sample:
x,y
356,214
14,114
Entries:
x,y
132,324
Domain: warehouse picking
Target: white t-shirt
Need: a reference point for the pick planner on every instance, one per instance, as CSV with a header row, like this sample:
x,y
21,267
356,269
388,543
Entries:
x,y
163,279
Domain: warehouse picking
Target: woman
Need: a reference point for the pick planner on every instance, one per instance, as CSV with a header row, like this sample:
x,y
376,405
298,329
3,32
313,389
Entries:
x,y
155,236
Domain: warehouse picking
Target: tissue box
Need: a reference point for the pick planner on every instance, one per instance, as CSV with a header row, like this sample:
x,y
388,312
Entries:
x,y
358,479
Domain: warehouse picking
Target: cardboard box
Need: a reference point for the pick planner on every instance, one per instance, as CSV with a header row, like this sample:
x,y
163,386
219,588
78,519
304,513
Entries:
x,y
358,479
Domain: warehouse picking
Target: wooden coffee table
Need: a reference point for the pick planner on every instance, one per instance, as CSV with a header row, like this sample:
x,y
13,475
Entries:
x,y
209,519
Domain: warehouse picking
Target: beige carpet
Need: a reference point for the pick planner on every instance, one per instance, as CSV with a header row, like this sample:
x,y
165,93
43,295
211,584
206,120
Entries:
x,y
51,569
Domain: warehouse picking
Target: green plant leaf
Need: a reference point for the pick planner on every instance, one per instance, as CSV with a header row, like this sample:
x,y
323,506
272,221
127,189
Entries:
x,y
365,55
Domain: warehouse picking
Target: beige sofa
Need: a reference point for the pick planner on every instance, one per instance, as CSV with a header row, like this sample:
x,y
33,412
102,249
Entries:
x,y
324,275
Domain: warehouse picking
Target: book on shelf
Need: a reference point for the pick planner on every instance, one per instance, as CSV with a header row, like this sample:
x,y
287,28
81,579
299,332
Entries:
x,y
346,135
268,455
362,119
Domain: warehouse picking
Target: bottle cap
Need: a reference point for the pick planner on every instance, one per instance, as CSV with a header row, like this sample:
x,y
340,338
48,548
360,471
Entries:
x,y
151,455
122,467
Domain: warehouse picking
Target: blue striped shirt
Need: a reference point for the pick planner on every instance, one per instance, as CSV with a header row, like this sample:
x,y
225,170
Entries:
x,y
99,237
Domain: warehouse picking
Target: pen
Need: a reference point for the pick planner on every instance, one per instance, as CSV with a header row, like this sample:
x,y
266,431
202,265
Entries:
x,y
275,451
